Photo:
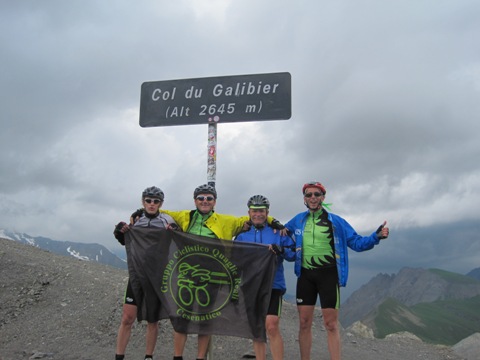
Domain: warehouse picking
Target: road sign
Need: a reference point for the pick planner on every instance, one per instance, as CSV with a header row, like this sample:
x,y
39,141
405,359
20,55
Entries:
x,y
216,99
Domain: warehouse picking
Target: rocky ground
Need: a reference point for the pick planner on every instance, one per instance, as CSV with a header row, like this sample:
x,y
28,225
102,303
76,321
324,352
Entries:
x,y
54,307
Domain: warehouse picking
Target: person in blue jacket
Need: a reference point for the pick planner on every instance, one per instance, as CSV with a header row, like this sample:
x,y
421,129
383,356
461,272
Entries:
x,y
321,264
262,233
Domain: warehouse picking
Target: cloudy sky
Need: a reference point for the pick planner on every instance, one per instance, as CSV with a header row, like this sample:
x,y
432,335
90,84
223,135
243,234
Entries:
x,y
385,113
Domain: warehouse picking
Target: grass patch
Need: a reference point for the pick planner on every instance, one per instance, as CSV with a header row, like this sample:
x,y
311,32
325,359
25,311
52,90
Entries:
x,y
440,322
454,277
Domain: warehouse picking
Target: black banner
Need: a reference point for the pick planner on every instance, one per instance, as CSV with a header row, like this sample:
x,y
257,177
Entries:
x,y
203,285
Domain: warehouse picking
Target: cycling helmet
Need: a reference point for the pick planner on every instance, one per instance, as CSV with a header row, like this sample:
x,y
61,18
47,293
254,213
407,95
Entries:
x,y
153,192
258,201
205,189
314,184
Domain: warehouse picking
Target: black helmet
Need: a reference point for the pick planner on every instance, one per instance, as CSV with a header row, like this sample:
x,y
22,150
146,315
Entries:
x,y
205,189
153,192
258,201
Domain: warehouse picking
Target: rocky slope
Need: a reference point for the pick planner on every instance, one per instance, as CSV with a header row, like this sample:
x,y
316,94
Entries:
x,y
82,251
409,287
55,307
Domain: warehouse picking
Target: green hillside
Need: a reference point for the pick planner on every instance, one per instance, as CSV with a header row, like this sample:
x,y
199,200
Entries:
x,y
440,322
391,316
454,277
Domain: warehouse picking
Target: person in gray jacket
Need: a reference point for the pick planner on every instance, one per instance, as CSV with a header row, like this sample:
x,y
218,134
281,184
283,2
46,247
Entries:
x,y
152,201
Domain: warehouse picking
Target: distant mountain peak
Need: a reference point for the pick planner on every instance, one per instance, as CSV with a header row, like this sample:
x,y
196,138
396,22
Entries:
x,y
409,287
86,252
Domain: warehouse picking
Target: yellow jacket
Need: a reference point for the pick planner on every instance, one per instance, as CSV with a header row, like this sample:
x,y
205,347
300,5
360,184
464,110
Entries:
x,y
223,226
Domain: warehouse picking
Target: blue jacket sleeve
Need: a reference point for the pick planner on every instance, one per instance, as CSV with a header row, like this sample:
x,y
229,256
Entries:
x,y
357,242
289,250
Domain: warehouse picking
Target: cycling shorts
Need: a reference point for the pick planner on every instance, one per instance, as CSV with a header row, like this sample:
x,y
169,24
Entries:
x,y
129,296
275,306
321,282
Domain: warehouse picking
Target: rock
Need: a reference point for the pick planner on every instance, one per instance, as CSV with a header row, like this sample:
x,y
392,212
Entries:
x,y
40,355
403,335
468,348
360,329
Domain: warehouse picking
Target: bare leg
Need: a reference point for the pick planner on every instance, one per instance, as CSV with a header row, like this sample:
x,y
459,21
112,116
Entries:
x,y
260,349
274,336
305,314
129,314
330,319
179,341
151,337
202,348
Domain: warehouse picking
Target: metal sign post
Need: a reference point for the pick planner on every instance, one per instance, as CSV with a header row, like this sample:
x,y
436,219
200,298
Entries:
x,y
212,154
217,99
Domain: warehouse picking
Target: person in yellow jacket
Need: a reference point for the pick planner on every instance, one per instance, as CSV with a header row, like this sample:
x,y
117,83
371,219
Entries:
x,y
205,221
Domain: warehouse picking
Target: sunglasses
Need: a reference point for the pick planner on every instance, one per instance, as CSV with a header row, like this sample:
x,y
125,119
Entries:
x,y
316,194
155,201
203,198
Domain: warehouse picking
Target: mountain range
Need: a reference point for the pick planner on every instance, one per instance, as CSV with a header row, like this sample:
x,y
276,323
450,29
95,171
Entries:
x,y
436,305
88,252
475,273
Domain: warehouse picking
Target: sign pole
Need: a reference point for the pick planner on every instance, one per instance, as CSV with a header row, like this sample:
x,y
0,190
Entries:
x,y
211,178
212,152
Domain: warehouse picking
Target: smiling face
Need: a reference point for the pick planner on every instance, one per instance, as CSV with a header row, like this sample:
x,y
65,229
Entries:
x,y
313,198
205,203
258,216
